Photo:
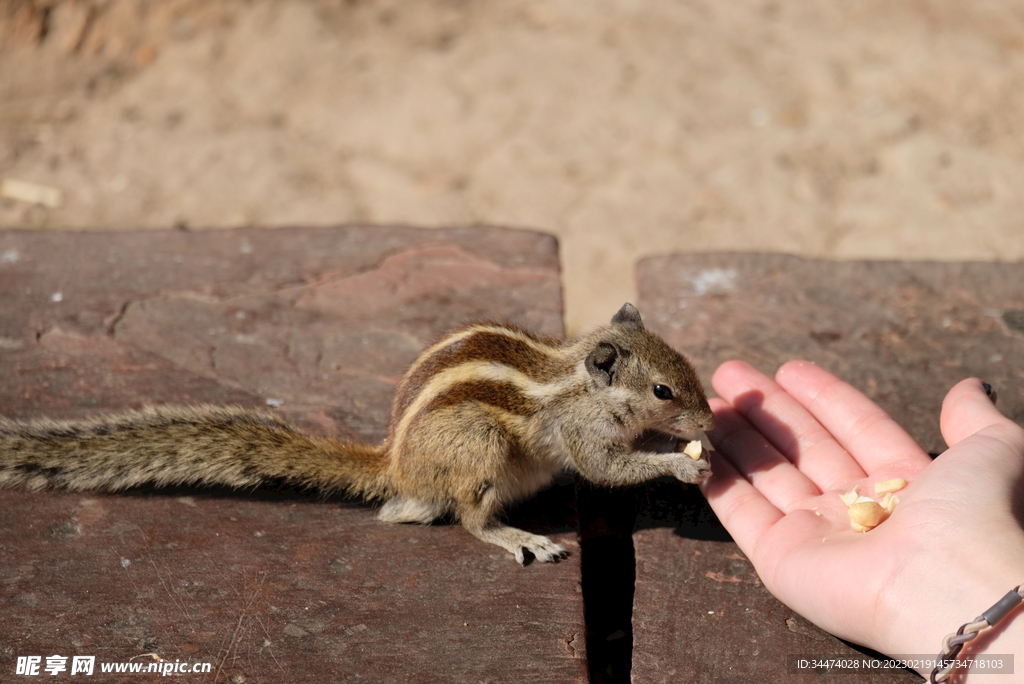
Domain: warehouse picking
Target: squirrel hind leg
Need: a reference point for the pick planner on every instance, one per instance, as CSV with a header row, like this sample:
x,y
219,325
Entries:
x,y
519,542
401,510
479,520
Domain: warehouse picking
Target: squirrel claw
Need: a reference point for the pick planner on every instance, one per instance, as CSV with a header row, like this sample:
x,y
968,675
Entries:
x,y
548,552
692,472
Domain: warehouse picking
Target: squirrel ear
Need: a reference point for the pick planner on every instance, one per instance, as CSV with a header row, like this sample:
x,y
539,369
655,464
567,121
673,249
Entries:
x,y
629,317
601,362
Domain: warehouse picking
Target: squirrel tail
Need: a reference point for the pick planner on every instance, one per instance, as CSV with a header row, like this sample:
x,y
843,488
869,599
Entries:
x,y
184,446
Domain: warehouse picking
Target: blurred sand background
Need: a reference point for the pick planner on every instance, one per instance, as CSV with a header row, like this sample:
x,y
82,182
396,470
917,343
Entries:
x,y
861,129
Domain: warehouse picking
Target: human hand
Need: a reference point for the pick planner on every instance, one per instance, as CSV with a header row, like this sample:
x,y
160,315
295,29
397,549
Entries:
x,y
954,545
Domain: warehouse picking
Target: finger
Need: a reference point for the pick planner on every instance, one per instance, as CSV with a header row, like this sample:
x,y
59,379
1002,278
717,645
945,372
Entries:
x,y
755,459
784,421
868,433
740,507
967,410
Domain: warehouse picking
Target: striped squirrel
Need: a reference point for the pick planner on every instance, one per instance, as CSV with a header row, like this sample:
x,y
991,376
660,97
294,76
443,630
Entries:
x,y
486,416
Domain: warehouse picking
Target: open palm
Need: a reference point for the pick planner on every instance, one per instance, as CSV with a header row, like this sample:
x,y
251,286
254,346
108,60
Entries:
x,y
789,446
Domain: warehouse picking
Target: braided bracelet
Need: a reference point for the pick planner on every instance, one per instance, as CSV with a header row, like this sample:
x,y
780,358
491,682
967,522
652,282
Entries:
x,y
952,644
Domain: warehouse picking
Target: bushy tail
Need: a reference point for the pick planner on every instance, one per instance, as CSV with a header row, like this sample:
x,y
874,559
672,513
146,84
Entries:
x,y
184,446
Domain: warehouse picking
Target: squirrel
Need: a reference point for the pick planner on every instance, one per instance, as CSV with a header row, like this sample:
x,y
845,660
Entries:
x,y
486,416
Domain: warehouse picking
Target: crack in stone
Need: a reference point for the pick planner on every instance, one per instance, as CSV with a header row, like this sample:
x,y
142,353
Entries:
x,y
113,319
608,578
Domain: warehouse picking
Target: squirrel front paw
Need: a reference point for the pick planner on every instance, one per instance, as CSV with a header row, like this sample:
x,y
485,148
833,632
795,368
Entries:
x,y
687,470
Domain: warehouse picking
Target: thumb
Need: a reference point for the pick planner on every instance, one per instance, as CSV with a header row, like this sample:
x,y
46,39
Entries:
x,y
966,410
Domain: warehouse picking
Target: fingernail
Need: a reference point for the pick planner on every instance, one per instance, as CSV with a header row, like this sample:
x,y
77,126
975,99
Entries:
x,y
989,392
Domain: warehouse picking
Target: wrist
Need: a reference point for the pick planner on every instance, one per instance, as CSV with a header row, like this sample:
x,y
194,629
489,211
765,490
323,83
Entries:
x,y
957,596
996,646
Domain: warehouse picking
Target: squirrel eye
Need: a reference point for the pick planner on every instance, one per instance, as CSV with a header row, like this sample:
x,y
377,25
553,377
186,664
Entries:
x,y
663,392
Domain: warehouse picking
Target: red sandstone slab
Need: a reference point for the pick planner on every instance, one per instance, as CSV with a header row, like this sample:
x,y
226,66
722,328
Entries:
x,y
268,586
903,333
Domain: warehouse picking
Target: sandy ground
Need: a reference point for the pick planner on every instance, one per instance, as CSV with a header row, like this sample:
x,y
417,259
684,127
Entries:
x,y
855,129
